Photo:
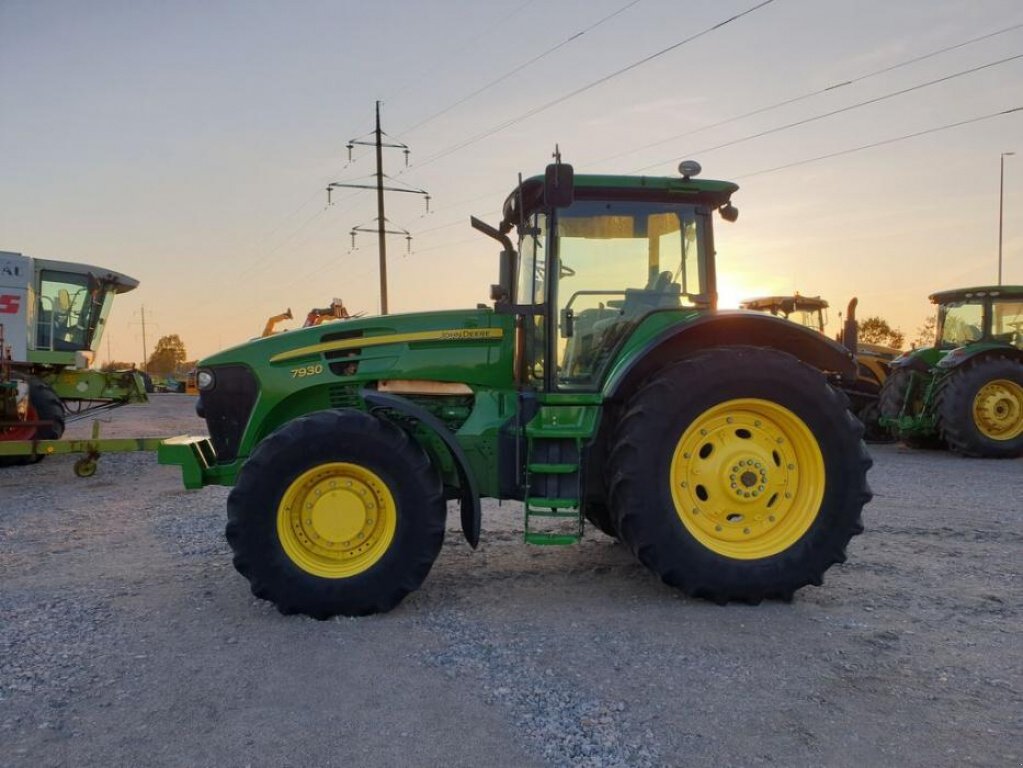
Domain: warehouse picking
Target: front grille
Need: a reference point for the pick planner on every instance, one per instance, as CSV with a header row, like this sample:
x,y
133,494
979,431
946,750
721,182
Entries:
x,y
227,408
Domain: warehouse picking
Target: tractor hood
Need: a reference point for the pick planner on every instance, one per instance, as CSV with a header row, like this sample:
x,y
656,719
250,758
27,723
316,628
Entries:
x,y
457,345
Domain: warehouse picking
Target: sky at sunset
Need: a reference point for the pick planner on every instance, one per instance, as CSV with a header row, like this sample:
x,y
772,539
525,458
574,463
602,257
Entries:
x,y
189,144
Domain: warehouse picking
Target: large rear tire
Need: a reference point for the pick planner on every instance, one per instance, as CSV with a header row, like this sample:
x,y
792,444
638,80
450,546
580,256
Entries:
x,y
337,512
738,474
981,408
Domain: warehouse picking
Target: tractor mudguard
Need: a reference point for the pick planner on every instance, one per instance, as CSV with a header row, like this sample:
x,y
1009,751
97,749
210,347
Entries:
x,y
728,328
469,500
960,355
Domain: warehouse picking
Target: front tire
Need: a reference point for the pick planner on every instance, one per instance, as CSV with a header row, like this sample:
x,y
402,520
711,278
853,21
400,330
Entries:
x,y
981,408
44,405
738,474
336,512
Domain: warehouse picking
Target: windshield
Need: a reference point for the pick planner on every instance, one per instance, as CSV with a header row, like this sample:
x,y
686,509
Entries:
x,y
617,262
71,307
960,323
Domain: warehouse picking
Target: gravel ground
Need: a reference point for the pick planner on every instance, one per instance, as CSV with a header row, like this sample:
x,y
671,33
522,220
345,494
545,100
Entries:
x,y
127,639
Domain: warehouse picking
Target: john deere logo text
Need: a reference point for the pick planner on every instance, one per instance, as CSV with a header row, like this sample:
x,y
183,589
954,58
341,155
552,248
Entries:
x,y
465,333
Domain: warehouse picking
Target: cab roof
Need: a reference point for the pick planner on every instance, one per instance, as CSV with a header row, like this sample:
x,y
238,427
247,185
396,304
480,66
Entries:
x,y
979,292
708,192
787,304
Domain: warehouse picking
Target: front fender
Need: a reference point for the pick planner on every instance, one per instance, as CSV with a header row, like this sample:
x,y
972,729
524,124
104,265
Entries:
x,y
469,499
645,352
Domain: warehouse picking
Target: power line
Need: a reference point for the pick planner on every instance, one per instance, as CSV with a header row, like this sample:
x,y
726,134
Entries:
x,y
537,110
467,42
882,143
839,153
803,97
833,112
520,67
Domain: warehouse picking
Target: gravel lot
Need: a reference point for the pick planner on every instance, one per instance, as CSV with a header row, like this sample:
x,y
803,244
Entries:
x,y
127,639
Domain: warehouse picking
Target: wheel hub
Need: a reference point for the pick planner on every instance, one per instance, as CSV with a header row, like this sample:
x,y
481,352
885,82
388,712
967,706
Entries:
x,y
747,478
998,410
336,519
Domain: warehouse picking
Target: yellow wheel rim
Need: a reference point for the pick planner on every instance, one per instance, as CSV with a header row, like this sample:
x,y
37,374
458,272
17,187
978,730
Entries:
x,y
998,410
747,478
336,520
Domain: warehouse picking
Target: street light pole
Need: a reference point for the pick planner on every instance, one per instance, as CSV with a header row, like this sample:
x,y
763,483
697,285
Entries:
x,y
1001,205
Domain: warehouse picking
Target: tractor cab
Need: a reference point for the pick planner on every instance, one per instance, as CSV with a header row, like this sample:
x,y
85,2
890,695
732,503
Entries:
x,y
971,315
809,311
597,255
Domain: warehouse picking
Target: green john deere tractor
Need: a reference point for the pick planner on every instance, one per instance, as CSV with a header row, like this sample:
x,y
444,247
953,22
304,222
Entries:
x,y
966,391
599,385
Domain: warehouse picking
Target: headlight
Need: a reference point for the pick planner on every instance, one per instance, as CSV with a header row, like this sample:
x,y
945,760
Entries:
x,y
205,380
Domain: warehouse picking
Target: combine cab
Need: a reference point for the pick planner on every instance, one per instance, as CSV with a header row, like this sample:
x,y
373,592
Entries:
x,y
600,385
966,391
52,315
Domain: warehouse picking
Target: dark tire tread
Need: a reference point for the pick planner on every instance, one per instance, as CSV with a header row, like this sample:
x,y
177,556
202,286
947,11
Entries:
x,y
954,403
336,435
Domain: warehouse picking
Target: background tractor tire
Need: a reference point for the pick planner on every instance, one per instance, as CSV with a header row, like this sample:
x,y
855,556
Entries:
x,y
44,405
892,398
336,512
981,408
599,515
873,432
738,474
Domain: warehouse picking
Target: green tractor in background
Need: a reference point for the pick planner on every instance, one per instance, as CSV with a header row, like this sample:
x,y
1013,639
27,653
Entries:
x,y
601,384
873,361
966,391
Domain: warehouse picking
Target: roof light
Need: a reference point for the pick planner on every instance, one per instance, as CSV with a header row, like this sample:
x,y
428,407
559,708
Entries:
x,y
689,168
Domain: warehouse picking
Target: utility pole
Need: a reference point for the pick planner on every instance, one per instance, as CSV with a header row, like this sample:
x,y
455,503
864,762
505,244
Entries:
x,y
1001,201
145,352
381,227
145,349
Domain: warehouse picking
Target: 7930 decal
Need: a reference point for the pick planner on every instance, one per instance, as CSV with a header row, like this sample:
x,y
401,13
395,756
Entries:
x,y
306,370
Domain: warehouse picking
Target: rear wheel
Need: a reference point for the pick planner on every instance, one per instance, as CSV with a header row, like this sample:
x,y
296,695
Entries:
x,y
981,408
337,512
738,474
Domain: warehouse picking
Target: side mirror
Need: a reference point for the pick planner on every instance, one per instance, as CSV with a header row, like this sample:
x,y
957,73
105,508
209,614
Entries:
x,y
559,185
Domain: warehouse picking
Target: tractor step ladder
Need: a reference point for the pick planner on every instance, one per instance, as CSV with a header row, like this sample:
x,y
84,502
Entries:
x,y
553,482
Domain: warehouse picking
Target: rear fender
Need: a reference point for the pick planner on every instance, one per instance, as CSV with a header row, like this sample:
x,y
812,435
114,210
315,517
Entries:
x,y
728,328
962,355
469,498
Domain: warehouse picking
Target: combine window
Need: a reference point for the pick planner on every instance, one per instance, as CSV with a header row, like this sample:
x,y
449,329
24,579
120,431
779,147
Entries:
x,y
71,307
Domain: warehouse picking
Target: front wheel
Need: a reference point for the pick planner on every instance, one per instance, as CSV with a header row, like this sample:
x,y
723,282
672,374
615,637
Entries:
x,y
43,405
738,474
337,512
